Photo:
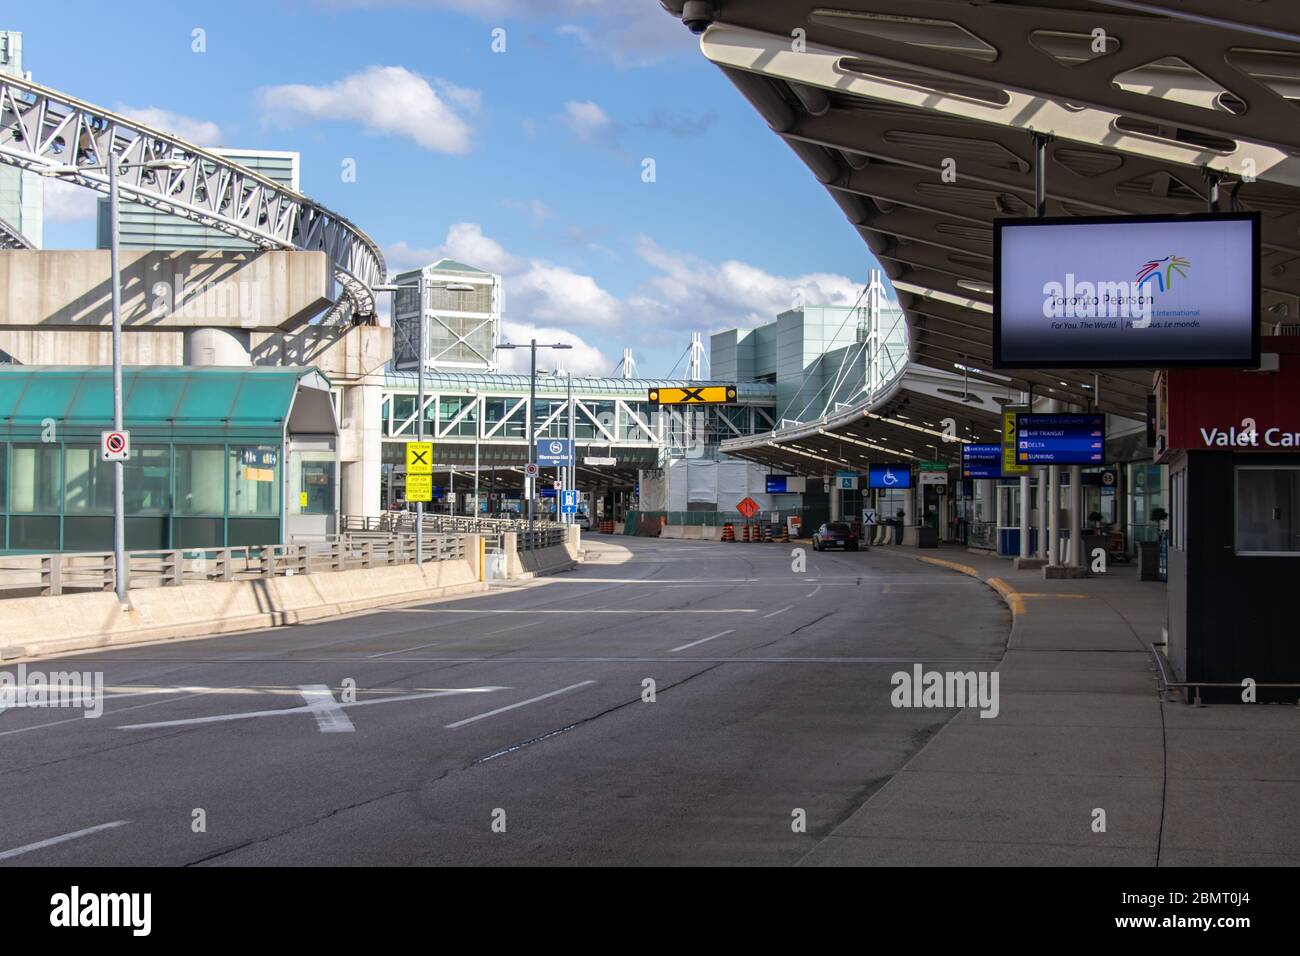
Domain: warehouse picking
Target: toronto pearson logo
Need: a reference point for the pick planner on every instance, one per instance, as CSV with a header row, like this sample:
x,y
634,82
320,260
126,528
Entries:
x,y
1111,305
1160,272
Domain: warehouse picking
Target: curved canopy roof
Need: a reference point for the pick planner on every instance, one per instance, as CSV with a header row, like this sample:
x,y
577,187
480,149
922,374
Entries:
x,y
1147,105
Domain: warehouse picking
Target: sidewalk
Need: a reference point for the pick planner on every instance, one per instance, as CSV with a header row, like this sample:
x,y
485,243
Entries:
x,y
1080,729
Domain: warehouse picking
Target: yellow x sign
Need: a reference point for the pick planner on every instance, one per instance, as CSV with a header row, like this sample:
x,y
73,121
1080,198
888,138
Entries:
x,y
694,395
419,458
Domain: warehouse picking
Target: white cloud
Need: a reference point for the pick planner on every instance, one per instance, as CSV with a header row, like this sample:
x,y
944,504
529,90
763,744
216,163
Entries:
x,y
68,202
384,100
196,131
587,120
558,294
466,243
467,99
582,359
683,294
736,292
536,209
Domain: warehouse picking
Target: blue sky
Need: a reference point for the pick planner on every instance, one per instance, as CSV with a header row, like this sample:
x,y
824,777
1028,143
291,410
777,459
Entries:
x,y
527,162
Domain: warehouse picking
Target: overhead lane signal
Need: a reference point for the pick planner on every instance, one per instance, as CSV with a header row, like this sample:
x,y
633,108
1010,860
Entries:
x,y
694,395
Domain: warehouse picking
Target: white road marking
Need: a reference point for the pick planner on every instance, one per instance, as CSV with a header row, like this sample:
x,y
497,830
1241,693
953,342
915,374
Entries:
x,y
850,582
507,630
248,714
522,703
417,647
73,720
813,591
782,611
584,610
329,715
76,834
702,640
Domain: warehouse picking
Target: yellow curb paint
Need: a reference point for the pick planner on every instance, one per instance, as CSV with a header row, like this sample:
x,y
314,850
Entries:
x,y
1009,594
1014,599
963,568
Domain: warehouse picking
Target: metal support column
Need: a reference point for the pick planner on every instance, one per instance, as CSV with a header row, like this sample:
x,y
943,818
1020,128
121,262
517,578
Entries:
x,y
119,486
1042,513
1075,553
1053,516
420,345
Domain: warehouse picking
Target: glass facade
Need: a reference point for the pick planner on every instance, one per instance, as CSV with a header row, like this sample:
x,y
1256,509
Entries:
x,y
58,496
1146,484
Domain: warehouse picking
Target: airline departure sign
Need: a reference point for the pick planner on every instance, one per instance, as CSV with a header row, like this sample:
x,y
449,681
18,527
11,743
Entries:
x,y
694,395
981,461
1061,439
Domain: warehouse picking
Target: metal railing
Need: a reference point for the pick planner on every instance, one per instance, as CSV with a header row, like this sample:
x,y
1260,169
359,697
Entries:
x,y
1166,685
48,574
403,522
543,538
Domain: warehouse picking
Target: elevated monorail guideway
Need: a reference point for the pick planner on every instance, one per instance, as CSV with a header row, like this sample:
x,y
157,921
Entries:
x,y
41,128
12,238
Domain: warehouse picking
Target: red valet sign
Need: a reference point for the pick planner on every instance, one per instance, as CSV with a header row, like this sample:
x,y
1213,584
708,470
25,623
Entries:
x,y
1232,410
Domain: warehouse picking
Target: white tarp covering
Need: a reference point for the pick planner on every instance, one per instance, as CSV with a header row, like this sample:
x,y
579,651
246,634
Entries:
x,y
654,491
723,484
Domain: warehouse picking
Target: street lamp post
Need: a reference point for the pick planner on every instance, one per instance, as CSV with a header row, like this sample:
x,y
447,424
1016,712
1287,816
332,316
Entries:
x,y
113,169
532,347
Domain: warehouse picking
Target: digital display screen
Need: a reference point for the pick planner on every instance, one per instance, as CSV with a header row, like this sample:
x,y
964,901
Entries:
x,y
894,475
786,484
1060,439
981,461
1127,292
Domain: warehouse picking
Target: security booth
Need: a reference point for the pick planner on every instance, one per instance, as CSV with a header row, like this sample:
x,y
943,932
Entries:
x,y
1231,439
219,457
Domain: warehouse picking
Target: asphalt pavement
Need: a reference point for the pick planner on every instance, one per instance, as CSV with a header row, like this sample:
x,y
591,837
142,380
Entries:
x,y
514,727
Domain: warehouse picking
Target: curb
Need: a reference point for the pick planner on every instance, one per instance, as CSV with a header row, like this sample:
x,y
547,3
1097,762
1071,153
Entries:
x,y
1013,598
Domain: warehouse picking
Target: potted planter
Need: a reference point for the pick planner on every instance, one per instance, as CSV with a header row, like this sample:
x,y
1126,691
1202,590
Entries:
x,y
1149,551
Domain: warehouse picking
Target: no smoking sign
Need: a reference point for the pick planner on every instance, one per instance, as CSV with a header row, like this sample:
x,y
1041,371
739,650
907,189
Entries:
x,y
114,446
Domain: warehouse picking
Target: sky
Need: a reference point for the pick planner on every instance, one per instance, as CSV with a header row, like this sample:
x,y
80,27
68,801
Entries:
x,y
584,149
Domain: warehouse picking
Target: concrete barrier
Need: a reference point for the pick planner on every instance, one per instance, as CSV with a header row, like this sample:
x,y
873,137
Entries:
x,y
692,532
32,626
41,626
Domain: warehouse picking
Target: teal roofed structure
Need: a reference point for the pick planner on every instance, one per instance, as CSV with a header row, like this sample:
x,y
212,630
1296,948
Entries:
x,y
219,457
165,401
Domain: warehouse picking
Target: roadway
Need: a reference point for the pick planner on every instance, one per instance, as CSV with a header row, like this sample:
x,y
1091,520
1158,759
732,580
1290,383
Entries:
x,y
772,695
